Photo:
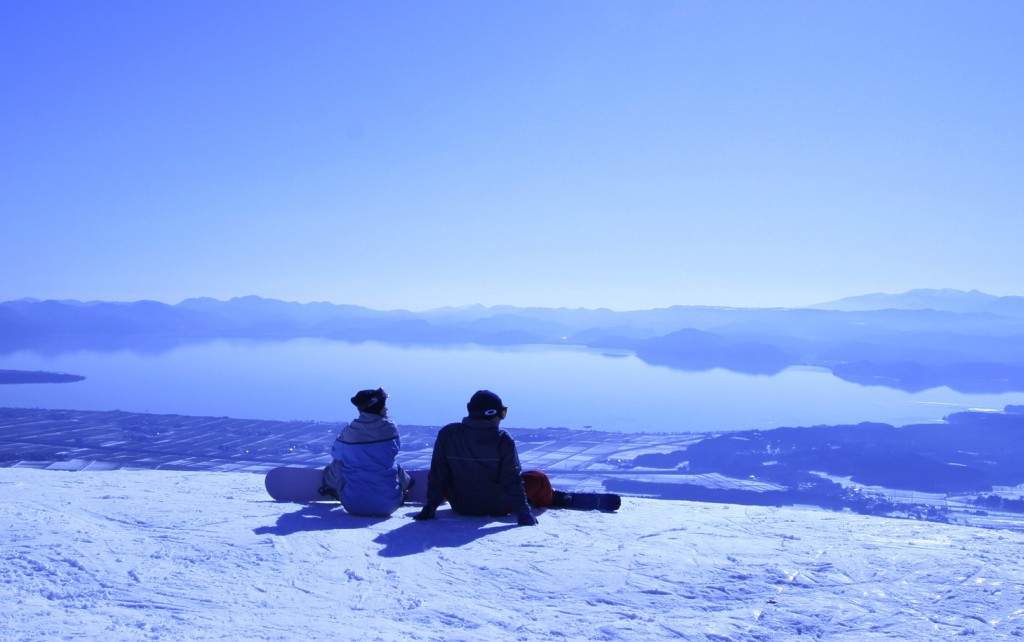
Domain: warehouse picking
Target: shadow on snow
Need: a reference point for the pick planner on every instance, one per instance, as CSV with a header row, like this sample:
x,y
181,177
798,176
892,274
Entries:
x,y
444,531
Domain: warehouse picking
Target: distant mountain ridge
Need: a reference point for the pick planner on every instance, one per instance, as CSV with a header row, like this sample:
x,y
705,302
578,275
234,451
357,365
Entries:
x,y
922,299
970,341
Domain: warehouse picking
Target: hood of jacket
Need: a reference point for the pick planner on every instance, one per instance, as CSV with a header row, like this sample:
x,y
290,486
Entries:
x,y
368,428
478,423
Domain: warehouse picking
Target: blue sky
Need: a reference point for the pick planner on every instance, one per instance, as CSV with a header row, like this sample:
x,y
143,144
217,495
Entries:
x,y
596,154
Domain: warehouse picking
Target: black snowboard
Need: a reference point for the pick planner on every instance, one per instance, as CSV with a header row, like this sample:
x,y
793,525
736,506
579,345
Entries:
x,y
606,502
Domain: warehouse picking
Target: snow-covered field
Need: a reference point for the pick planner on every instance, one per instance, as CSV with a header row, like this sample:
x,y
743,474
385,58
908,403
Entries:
x,y
141,555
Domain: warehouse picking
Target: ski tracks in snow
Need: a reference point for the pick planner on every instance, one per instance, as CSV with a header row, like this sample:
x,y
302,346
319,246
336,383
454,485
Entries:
x,y
152,555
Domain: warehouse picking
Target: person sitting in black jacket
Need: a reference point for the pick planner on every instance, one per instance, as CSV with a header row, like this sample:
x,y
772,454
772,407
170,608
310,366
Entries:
x,y
475,466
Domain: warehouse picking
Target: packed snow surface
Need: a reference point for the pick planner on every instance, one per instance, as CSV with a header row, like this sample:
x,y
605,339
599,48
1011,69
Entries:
x,y
158,555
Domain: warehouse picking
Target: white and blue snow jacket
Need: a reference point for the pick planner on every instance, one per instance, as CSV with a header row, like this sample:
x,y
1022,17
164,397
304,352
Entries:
x,y
366,476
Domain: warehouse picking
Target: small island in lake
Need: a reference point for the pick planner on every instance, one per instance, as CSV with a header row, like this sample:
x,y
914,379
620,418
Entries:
x,y
37,376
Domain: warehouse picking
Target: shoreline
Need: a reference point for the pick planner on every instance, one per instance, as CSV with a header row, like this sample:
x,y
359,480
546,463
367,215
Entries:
x,y
36,376
77,439
968,470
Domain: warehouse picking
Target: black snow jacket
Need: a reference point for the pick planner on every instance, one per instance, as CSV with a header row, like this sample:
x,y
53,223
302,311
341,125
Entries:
x,y
476,467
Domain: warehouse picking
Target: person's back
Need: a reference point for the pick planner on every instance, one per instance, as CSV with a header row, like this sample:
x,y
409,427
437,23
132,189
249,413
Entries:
x,y
367,449
364,475
475,465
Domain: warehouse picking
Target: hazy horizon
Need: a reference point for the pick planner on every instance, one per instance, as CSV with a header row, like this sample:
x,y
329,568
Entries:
x,y
596,155
939,291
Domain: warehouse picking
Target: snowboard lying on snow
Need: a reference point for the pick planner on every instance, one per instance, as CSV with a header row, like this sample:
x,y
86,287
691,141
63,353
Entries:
x,y
606,502
302,485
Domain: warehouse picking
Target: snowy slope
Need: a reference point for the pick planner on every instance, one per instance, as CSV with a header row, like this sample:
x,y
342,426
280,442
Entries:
x,y
156,555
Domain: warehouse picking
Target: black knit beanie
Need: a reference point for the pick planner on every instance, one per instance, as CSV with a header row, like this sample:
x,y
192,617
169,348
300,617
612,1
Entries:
x,y
370,401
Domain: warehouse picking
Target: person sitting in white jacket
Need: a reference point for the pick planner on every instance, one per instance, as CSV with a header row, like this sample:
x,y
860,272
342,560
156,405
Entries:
x,y
365,475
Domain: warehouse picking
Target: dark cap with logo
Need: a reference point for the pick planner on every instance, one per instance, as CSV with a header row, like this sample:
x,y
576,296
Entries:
x,y
484,403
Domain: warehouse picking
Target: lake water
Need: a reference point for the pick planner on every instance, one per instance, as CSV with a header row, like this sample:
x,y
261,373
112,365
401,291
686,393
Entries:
x,y
312,379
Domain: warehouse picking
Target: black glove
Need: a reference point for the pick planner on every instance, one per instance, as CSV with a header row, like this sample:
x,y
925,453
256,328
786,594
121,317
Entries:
x,y
527,519
427,513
